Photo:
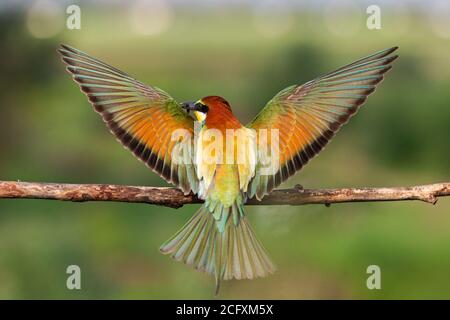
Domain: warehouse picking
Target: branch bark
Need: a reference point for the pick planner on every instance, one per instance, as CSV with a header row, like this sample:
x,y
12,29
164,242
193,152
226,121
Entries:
x,y
172,197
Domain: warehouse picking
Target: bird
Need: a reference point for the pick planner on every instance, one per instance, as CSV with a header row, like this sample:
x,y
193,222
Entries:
x,y
218,238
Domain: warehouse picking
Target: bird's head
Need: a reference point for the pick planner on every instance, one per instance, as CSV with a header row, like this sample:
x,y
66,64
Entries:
x,y
211,106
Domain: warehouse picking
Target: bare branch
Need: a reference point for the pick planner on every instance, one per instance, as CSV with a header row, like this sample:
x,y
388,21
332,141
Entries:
x,y
172,197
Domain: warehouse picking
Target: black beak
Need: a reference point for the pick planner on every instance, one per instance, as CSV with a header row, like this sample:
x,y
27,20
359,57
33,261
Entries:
x,y
189,105
195,106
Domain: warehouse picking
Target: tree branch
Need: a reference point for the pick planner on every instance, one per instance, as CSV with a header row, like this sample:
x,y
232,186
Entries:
x,y
172,197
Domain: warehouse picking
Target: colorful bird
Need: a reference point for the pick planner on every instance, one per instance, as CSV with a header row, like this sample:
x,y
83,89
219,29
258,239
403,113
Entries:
x,y
218,239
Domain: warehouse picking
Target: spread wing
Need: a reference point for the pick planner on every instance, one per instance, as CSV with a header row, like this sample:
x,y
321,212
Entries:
x,y
142,117
307,116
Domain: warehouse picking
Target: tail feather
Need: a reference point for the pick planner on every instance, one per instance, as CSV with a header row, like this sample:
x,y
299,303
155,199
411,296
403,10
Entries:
x,y
235,253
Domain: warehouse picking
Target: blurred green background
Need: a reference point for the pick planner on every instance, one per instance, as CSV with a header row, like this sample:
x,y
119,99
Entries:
x,y
247,53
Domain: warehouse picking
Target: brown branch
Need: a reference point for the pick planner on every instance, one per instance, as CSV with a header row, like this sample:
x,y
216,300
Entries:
x,y
172,197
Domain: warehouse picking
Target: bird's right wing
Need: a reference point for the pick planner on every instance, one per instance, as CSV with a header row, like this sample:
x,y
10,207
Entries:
x,y
143,118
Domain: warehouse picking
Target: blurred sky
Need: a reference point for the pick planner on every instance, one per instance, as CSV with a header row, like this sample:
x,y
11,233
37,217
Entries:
x,y
277,14
313,4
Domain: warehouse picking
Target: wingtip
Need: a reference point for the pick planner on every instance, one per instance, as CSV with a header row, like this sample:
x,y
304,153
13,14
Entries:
x,y
61,46
63,49
65,46
389,62
388,51
392,58
393,49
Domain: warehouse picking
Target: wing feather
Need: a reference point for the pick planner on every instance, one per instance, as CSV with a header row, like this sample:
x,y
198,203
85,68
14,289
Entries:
x,y
141,117
307,116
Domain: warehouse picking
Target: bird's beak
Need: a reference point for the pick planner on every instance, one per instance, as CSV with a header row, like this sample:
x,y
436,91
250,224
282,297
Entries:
x,y
198,111
189,105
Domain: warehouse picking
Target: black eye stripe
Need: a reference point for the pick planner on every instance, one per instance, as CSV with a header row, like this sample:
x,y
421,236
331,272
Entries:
x,y
201,107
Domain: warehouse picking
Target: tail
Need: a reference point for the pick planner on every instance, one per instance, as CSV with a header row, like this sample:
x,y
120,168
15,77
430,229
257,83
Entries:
x,y
234,252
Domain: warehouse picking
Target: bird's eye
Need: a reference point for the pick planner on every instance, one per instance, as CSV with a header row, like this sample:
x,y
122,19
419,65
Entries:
x,y
201,107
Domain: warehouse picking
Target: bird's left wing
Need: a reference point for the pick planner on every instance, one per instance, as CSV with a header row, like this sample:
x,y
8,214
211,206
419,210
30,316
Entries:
x,y
305,117
143,118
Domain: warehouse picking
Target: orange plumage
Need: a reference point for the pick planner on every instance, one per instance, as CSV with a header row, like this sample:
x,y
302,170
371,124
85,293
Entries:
x,y
218,238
